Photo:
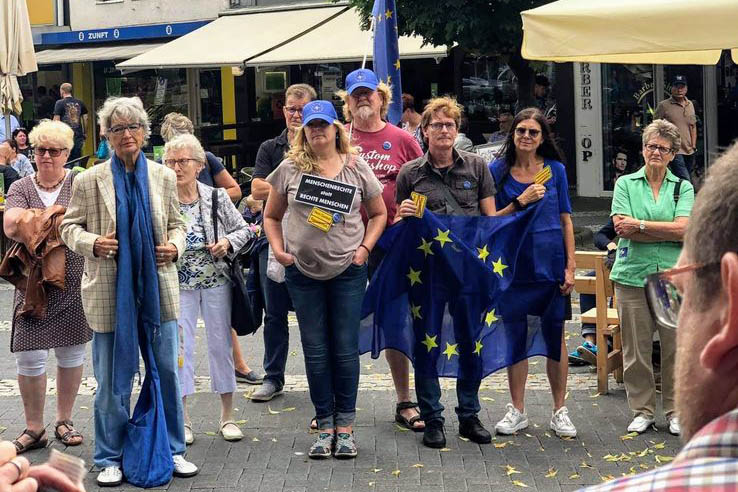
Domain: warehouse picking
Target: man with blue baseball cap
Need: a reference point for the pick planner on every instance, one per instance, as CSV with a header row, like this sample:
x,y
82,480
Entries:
x,y
386,148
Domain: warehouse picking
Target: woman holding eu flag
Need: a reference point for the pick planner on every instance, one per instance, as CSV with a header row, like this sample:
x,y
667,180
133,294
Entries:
x,y
324,252
530,171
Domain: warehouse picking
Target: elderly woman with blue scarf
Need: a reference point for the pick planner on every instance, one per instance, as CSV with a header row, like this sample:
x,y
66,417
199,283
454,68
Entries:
x,y
124,220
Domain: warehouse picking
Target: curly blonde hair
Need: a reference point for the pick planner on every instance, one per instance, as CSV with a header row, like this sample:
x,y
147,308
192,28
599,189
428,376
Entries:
x,y
303,156
52,131
385,93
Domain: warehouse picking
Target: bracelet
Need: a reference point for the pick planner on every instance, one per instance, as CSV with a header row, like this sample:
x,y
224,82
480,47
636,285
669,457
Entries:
x,y
516,203
367,249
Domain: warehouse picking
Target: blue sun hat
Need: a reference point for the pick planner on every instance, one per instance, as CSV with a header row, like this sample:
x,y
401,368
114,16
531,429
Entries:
x,y
319,110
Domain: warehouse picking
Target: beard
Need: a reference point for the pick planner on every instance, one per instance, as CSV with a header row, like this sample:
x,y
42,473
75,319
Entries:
x,y
364,113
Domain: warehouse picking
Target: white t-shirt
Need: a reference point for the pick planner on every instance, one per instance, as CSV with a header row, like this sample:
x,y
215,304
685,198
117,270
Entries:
x,y
49,197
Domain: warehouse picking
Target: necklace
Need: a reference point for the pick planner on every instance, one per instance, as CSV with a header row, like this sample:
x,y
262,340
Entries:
x,y
48,188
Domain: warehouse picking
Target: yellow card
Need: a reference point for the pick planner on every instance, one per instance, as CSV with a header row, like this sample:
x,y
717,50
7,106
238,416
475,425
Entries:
x,y
543,176
420,201
321,219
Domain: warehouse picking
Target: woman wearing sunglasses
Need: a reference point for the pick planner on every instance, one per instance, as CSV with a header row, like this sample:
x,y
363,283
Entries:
x,y
530,171
650,209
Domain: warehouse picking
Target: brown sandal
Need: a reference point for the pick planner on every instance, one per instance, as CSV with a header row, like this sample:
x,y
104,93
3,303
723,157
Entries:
x,y
39,441
68,438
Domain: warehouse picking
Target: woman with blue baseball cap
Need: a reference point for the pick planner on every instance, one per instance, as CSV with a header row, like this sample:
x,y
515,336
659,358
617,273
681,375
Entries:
x,y
324,183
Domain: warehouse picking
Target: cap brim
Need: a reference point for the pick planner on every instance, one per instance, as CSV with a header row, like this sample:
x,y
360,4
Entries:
x,y
368,85
318,116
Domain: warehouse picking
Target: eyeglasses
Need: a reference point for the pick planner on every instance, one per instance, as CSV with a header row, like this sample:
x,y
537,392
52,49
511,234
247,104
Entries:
x,y
170,163
41,151
440,126
119,130
662,150
291,110
664,297
520,132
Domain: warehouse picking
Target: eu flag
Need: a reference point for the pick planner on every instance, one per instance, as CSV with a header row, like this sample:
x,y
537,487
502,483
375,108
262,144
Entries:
x,y
439,296
387,53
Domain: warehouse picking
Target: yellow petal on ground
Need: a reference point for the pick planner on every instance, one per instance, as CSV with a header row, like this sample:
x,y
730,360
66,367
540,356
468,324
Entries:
x,y
645,466
444,450
396,473
534,363
573,476
551,473
210,433
256,439
584,464
487,398
660,445
518,483
536,425
368,366
465,439
299,453
241,422
595,395
566,396
567,438
289,409
606,478
500,445
510,470
642,453
418,465
401,428
376,470
629,436
547,434
272,412
274,439
663,459
595,405
371,484
293,353
527,435
84,408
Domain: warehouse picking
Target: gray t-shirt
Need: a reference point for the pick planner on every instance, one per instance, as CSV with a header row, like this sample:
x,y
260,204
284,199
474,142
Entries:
x,y
324,255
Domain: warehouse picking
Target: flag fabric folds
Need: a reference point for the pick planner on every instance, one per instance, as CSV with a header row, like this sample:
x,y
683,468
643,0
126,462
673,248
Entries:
x,y
440,296
387,54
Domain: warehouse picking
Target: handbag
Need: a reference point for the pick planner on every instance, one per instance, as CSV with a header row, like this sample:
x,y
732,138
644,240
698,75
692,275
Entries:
x,y
245,319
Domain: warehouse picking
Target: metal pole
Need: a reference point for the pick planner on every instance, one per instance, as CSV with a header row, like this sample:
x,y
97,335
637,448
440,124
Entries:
x,y
7,125
363,63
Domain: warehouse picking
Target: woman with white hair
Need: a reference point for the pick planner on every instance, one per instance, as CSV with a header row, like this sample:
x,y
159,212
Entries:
x,y
124,219
214,174
204,279
61,325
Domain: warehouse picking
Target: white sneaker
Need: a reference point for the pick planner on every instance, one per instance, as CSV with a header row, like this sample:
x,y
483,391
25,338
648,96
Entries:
x,y
183,468
513,421
110,476
640,423
230,431
561,423
189,435
674,428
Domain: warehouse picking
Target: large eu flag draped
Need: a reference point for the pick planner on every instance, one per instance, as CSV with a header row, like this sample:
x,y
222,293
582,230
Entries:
x,y
387,53
438,294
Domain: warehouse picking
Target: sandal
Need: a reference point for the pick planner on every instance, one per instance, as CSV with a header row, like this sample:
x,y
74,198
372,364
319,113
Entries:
x,y
39,441
408,423
69,437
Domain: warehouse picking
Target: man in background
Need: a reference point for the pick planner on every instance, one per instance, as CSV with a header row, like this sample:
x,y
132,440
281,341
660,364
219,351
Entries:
x,y
680,111
73,112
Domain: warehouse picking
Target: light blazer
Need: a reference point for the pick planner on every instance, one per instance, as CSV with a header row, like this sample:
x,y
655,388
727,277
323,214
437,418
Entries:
x,y
91,214
230,223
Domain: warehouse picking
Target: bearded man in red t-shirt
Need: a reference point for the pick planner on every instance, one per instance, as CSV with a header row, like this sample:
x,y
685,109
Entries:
x,y
386,148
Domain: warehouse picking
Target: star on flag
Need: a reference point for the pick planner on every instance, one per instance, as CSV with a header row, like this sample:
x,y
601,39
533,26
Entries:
x,y
443,238
425,247
414,277
451,350
498,267
430,342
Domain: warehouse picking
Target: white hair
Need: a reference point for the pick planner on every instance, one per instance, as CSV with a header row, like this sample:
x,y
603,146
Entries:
x,y
129,109
186,141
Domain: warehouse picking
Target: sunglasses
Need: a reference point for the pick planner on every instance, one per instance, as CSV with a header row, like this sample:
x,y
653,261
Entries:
x,y
41,151
520,132
664,298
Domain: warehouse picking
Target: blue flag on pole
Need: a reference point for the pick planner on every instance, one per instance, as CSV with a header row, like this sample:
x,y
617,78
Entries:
x,y
387,54
439,296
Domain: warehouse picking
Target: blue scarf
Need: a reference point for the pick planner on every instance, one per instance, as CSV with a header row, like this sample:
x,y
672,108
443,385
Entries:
x,y
147,459
137,310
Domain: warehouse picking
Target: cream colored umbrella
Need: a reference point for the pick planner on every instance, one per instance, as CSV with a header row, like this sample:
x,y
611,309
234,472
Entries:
x,y
668,32
17,57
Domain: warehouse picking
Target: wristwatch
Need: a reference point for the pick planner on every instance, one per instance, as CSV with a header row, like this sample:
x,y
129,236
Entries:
x,y
642,227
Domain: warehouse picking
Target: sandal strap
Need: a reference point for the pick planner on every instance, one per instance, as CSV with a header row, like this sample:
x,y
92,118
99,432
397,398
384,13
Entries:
x,y
34,435
67,423
37,437
405,405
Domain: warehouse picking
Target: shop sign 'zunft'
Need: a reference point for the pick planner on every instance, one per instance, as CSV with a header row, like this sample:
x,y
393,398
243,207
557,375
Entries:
x,y
326,193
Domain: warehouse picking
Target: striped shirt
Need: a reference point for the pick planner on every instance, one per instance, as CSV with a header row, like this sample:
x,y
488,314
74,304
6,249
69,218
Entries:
x,y
709,462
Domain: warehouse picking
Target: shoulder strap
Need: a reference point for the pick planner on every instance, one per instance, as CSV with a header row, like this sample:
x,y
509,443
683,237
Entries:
x,y
215,212
677,187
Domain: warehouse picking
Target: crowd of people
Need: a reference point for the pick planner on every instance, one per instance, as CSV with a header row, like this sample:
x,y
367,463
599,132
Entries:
x,y
135,251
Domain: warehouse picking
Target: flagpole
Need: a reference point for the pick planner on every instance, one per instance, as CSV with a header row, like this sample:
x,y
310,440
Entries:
x,y
363,63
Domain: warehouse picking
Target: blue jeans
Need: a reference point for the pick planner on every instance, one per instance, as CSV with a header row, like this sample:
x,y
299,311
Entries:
x,y
328,312
112,411
428,390
678,167
276,330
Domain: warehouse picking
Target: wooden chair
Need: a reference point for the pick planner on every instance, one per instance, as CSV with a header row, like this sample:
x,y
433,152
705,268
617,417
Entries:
x,y
602,316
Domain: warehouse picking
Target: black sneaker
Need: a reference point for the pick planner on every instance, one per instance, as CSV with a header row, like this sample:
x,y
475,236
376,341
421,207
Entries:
x,y
322,447
472,429
345,446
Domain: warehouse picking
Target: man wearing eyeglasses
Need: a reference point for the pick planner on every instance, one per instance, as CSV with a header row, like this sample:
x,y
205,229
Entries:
x,y
386,148
277,301
455,183
699,299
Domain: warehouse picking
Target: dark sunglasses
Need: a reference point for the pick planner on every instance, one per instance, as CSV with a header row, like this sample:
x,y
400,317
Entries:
x,y
520,131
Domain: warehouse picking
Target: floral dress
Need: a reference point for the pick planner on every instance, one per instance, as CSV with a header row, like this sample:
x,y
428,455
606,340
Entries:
x,y
196,266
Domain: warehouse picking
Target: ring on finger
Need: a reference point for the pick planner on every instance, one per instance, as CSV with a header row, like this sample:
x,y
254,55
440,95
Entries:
x,y
14,462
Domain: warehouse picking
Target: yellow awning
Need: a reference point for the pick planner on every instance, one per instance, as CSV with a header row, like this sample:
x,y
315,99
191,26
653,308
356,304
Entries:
x,y
668,32
94,53
340,40
232,40
303,34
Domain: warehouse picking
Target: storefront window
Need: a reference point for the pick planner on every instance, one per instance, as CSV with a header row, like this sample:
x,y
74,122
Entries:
x,y
627,106
211,106
162,91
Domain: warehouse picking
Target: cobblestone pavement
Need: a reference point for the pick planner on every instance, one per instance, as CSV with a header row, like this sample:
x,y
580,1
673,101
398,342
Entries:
x,y
272,456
